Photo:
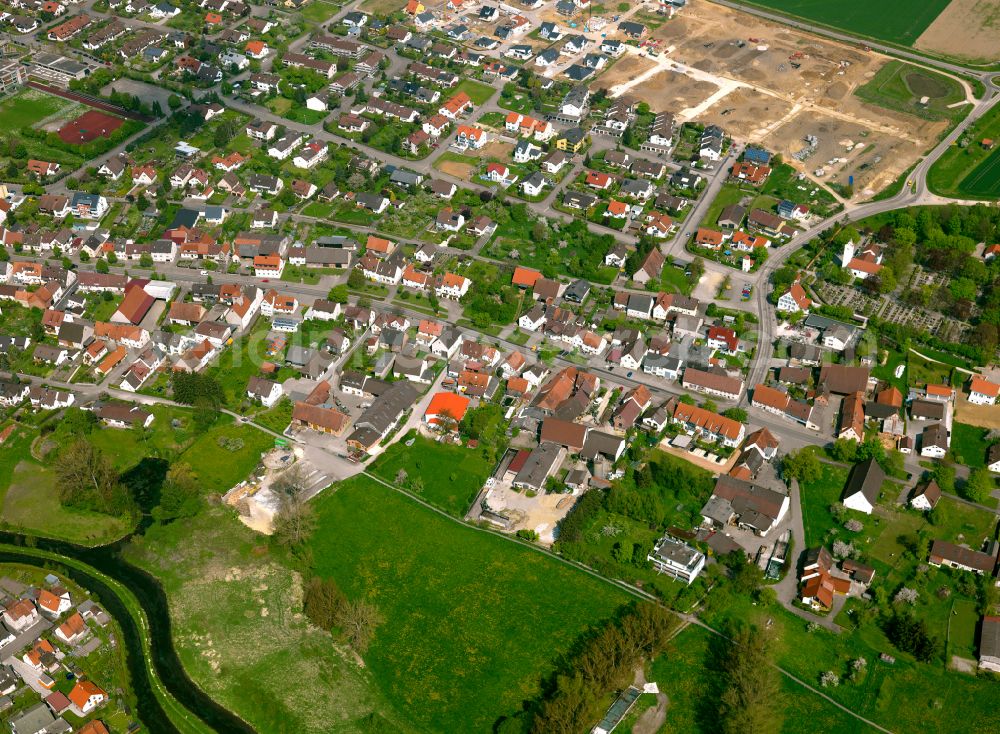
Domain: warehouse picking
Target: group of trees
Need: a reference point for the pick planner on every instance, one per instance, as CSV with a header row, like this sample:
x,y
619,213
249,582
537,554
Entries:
x,y
602,663
328,608
295,520
180,495
87,480
485,424
751,700
656,488
909,633
944,239
201,391
801,465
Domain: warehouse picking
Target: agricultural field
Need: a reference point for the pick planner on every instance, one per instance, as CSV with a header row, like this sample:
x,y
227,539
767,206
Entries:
x,y
984,180
901,86
970,169
899,22
472,623
450,476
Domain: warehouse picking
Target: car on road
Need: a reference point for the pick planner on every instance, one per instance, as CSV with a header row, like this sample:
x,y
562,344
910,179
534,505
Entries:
x,y
265,280
629,374
204,272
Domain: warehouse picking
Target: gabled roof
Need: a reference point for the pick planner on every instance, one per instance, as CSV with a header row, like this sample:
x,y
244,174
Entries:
x,y
866,478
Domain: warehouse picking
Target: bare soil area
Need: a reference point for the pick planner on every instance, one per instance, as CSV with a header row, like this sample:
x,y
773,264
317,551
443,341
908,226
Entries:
x,y
984,416
967,29
670,90
495,149
463,171
625,68
799,85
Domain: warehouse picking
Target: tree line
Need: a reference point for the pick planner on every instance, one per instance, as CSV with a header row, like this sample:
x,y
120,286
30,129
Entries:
x,y
602,662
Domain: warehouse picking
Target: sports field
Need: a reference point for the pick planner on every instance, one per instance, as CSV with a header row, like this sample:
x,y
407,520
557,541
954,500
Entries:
x,y
28,107
473,622
89,126
896,21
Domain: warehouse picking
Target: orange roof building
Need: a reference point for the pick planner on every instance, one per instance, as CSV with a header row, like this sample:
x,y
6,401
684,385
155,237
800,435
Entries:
x,y
446,409
525,277
86,696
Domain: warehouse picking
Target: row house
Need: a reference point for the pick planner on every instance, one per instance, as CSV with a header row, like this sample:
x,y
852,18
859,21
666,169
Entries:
x,y
705,424
712,383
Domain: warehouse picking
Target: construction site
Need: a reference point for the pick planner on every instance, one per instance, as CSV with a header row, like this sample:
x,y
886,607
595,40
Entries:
x,y
778,86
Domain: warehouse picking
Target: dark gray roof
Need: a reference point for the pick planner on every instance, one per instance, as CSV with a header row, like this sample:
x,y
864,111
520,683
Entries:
x,y
866,478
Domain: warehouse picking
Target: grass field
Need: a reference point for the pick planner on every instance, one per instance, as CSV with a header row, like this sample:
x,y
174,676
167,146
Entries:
x,y
901,86
478,92
969,444
920,372
30,498
32,503
451,475
240,633
690,676
967,169
816,500
728,194
896,21
962,629
318,11
29,107
904,697
472,621
984,180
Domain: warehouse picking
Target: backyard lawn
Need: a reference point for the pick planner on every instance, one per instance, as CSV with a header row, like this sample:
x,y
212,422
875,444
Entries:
x,y
472,621
478,92
961,632
451,475
969,444
816,500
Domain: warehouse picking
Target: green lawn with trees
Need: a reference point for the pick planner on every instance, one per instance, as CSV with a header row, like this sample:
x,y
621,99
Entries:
x,y
693,676
470,622
445,475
